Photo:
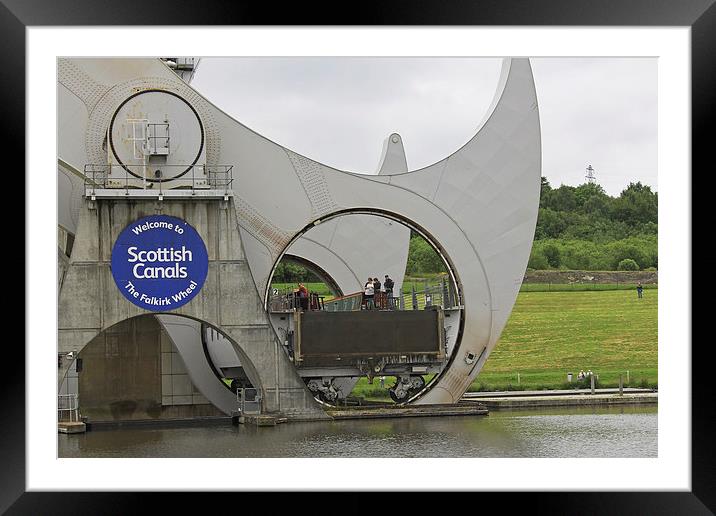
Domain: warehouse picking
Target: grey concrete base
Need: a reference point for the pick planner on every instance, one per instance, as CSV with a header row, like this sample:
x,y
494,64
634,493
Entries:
x,y
575,400
392,411
196,421
261,420
91,303
71,427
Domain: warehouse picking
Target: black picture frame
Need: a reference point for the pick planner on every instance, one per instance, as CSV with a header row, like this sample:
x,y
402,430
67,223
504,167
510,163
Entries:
x,y
699,15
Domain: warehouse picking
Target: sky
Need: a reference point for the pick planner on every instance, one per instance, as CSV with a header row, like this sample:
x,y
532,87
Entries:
x,y
593,111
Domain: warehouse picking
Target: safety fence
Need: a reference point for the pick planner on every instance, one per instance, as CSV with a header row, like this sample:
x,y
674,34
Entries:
x,y
347,303
248,400
157,178
68,407
437,294
283,301
420,297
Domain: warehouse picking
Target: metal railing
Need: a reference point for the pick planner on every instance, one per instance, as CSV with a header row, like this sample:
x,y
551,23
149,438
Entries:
x,y
248,400
181,63
152,177
358,301
441,294
68,403
349,303
287,301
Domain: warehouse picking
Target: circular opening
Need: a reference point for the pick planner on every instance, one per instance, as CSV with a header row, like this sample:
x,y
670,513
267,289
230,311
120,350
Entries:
x,y
145,119
386,341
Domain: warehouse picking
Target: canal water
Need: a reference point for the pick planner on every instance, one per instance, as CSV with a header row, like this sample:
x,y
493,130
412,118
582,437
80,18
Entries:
x,y
627,431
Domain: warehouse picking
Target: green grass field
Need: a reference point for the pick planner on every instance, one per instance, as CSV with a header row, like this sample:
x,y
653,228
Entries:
x,y
550,334
580,287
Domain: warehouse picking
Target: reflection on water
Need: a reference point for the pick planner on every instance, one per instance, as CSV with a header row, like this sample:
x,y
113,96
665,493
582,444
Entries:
x,y
568,432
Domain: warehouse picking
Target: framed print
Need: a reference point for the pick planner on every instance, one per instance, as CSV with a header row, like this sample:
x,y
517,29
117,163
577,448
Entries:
x,y
155,119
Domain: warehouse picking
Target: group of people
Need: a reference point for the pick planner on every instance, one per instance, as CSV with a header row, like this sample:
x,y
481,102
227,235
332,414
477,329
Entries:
x,y
377,294
582,375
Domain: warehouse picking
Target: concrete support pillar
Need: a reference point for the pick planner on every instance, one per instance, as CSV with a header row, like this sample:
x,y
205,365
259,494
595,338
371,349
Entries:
x,y
90,302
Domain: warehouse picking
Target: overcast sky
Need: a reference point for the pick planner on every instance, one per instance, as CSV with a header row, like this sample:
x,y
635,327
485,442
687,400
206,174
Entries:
x,y
338,111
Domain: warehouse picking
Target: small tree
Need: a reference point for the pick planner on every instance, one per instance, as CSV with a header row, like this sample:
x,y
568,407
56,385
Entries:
x,y
553,255
537,260
628,265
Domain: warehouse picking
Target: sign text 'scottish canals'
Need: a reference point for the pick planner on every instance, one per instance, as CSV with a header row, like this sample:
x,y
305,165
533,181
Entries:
x,y
159,263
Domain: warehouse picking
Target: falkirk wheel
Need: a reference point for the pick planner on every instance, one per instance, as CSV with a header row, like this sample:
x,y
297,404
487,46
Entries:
x,y
141,151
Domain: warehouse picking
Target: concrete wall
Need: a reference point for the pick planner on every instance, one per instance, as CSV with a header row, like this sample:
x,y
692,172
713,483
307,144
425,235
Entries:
x,y
90,302
131,371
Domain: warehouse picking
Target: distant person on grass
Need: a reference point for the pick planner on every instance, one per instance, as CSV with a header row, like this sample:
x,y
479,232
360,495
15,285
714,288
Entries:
x,y
639,290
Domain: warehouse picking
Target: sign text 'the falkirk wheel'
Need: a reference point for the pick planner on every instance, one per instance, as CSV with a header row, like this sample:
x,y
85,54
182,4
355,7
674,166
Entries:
x,y
159,263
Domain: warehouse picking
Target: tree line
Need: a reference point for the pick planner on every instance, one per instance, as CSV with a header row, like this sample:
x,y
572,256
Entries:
x,y
578,228
583,228
292,272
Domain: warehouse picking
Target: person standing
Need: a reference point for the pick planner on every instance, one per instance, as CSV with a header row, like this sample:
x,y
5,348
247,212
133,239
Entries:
x,y
369,294
303,296
639,290
378,295
388,285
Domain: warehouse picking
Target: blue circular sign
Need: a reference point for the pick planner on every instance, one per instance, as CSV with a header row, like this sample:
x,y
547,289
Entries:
x,y
159,263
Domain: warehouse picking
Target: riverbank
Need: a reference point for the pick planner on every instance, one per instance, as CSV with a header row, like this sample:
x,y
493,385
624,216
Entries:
x,y
563,398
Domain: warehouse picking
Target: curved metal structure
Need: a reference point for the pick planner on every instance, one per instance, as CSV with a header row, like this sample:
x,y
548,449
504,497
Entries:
x,y
478,206
336,244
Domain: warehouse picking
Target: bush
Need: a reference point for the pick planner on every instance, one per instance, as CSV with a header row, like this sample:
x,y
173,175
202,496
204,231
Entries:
x,y
584,255
650,269
553,255
422,258
628,265
641,250
290,272
537,260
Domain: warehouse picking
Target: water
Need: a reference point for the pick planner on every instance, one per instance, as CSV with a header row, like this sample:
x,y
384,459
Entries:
x,y
629,431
